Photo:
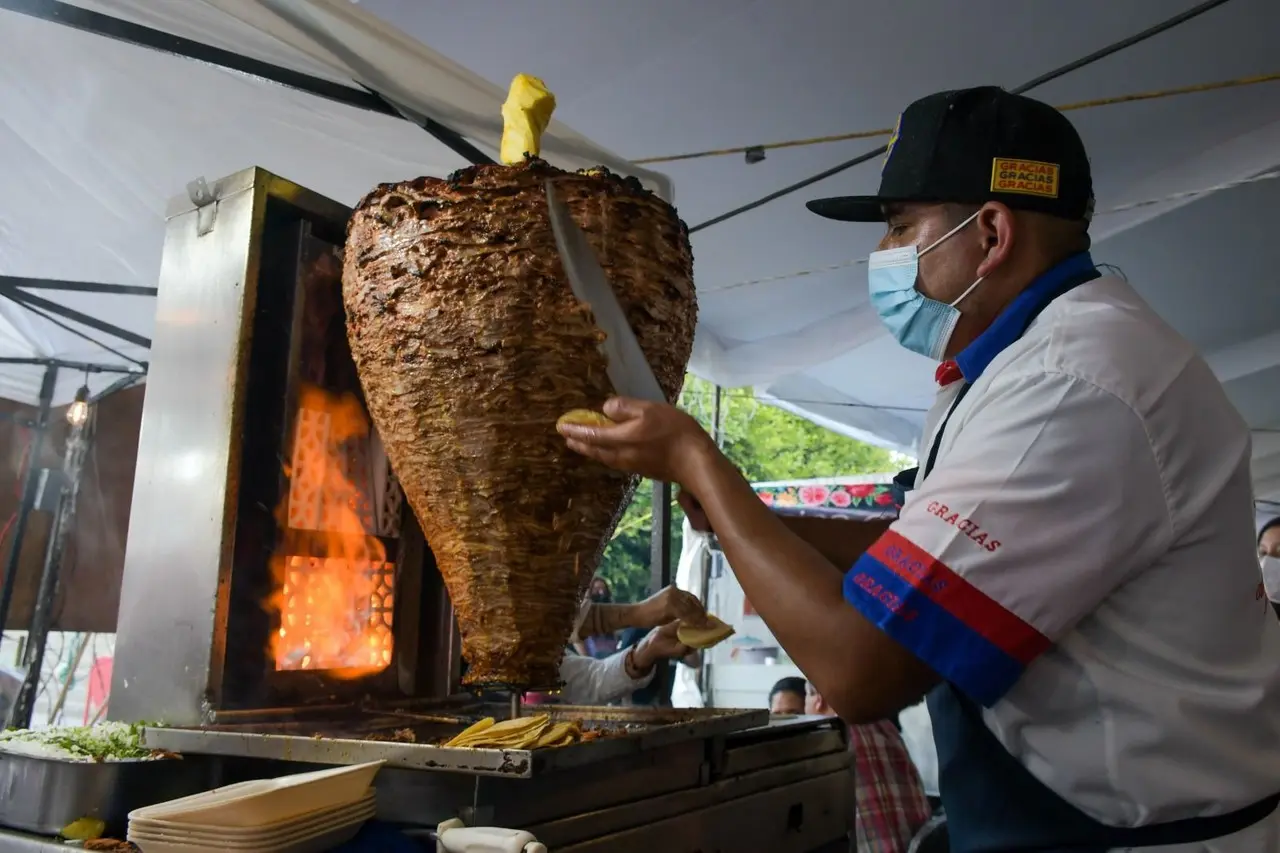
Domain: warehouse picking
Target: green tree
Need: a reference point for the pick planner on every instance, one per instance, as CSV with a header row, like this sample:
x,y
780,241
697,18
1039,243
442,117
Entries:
x,y
766,442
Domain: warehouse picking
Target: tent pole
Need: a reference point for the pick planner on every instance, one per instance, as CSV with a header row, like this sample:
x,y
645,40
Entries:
x,y
42,613
716,432
660,573
1115,47
660,538
124,382
96,23
77,366
78,286
33,302
30,483
68,15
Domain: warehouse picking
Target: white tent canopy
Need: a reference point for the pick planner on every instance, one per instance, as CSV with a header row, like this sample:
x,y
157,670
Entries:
x,y
96,135
721,73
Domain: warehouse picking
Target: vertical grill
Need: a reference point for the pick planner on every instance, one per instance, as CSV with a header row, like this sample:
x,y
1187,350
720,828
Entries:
x,y
289,572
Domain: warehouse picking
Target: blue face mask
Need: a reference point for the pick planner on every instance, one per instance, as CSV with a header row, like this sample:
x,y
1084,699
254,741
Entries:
x,y
920,324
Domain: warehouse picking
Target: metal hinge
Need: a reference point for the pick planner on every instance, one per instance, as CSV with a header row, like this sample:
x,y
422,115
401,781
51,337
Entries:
x,y
206,205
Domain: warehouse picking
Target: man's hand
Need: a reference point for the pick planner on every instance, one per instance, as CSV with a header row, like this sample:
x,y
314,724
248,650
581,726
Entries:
x,y
670,605
658,644
653,440
650,439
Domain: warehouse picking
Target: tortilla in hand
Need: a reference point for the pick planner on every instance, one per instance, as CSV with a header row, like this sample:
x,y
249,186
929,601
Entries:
x,y
716,631
584,417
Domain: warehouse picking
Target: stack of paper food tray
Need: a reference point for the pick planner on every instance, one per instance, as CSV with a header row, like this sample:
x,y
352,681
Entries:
x,y
304,813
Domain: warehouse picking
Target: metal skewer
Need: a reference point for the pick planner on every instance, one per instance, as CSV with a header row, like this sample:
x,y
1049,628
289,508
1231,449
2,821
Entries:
x,y
515,704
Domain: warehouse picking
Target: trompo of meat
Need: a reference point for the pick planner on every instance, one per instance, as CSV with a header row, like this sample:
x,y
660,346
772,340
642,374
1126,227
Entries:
x,y
470,344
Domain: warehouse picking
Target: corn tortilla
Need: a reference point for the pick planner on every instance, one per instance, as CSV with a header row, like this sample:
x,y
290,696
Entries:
x,y
716,632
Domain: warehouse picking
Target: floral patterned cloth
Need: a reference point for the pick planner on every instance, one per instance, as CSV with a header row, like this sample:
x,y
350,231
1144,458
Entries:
x,y
838,496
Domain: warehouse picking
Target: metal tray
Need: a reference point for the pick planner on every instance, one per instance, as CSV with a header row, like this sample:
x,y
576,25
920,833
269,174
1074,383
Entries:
x,y
43,795
355,738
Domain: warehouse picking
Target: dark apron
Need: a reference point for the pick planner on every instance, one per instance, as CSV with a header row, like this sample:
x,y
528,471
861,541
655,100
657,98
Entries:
x,y
992,802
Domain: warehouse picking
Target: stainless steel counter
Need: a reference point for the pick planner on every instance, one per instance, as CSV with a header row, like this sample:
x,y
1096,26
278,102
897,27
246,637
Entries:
x,y
42,795
19,842
372,735
785,787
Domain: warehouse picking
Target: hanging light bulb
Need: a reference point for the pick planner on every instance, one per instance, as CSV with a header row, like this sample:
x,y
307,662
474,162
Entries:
x,y
78,411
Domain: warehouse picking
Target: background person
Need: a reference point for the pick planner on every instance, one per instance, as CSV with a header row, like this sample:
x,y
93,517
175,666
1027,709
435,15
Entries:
x,y
1269,557
787,696
1269,538
602,641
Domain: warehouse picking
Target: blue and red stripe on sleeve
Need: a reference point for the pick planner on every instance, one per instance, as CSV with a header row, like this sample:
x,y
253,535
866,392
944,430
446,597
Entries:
x,y
967,637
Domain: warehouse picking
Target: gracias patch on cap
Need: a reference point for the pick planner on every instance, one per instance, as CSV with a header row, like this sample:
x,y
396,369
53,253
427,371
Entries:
x,y
1028,177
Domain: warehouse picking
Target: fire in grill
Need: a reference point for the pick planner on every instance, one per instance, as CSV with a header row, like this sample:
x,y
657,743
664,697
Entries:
x,y
334,603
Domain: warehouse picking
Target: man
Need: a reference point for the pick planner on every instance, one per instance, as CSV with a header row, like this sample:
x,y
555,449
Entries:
x,y
1269,557
1073,579
787,696
598,681
889,800
657,691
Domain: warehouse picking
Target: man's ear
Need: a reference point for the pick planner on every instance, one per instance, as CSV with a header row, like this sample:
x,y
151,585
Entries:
x,y
996,228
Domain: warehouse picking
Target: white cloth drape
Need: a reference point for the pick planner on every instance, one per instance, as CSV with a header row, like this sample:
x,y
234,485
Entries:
x,y
685,692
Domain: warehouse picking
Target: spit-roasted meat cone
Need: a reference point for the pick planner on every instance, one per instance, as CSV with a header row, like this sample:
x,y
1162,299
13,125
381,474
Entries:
x,y
470,344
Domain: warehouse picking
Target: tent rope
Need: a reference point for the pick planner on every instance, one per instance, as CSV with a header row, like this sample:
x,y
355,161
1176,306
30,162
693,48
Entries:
x,y
1179,196
1060,71
1136,97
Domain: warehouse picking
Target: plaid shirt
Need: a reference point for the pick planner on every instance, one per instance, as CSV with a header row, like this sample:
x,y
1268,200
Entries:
x,y
888,794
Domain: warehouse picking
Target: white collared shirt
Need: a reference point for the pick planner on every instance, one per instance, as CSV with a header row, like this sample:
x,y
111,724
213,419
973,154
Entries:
x,y
599,681
1081,562
596,681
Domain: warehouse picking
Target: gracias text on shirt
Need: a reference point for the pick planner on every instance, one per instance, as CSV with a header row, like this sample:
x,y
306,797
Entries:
x,y
967,526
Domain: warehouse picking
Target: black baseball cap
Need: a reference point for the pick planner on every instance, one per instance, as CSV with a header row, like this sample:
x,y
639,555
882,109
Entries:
x,y
971,146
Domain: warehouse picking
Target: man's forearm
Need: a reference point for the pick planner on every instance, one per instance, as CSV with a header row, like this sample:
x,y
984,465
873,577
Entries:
x,y
591,681
795,588
841,542
611,618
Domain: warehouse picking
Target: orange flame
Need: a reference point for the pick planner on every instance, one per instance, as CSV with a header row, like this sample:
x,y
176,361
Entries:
x,y
334,602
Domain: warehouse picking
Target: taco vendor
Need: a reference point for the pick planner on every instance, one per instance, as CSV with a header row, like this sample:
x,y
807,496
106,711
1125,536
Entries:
x,y
1072,579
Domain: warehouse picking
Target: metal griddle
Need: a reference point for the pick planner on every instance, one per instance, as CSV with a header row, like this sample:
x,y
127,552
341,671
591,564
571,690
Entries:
x,y
364,734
